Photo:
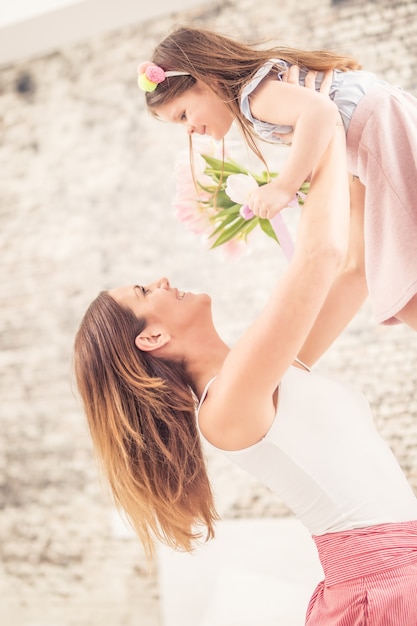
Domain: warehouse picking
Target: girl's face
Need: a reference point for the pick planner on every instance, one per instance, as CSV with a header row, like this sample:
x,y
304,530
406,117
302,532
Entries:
x,y
200,110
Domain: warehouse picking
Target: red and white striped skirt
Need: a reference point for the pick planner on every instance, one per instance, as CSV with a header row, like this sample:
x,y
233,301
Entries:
x,y
370,577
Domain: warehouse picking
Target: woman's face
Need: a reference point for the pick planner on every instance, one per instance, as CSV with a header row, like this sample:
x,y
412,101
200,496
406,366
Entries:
x,y
158,302
200,110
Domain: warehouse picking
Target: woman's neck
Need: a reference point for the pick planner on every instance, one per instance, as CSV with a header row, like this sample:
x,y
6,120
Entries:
x,y
206,363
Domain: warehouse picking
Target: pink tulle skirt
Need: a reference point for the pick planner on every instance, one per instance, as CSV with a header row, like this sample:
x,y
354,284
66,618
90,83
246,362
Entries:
x,y
382,151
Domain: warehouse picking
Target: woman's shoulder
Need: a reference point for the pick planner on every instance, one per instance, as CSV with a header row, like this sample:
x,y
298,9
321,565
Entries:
x,y
226,423
225,420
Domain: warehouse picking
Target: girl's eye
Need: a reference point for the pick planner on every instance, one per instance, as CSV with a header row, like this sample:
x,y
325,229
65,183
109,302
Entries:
x,y
183,117
144,290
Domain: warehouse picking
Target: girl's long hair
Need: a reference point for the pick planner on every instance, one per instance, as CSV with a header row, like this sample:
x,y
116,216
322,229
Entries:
x,y
226,66
141,414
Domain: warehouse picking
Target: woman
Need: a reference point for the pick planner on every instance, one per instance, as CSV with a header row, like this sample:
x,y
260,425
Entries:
x,y
145,357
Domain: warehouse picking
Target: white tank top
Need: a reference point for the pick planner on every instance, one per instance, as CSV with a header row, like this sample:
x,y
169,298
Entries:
x,y
325,459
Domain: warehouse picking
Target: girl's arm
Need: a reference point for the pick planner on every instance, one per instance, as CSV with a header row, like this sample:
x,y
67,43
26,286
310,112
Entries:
x,y
240,407
313,118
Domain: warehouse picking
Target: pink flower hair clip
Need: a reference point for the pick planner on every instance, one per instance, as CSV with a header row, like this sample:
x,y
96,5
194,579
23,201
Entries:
x,y
150,75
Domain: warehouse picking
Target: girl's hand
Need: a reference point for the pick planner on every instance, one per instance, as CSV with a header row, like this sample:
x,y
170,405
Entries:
x,y
268,200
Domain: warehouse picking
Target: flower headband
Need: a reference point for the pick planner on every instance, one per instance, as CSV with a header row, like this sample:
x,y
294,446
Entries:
x,y
150,75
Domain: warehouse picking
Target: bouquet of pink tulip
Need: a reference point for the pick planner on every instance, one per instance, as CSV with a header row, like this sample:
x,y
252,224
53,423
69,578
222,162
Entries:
x,y
211,200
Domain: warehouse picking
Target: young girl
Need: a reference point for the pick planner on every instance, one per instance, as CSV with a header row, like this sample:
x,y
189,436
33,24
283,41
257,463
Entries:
x,y
146,357
212,80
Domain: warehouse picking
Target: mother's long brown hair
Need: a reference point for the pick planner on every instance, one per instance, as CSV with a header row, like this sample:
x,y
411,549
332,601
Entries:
x,y
226,66
141,414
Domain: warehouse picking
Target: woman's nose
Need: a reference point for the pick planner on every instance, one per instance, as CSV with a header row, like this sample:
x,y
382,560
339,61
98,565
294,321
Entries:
x,y
163,283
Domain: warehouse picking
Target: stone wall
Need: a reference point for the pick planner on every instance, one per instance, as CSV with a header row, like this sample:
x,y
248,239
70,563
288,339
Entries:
x,y
86,184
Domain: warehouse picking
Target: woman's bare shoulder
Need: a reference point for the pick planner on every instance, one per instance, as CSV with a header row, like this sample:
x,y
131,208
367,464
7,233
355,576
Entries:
x,y
229,422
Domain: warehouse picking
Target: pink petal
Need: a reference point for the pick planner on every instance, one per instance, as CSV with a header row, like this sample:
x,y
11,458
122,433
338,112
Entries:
x,y
246,212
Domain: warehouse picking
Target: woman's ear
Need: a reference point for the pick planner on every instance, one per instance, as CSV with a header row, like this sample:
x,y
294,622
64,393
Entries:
x,y
151,339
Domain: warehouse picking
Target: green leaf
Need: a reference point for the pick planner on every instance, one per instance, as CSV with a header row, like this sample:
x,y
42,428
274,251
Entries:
x,y
232,210
215,175
221,199
231,231
267,228
251,224
217,166
264,178
225,223
208,189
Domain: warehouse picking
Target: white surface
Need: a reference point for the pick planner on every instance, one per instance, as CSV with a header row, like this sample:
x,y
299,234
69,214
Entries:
x,y
257,572
20,10
34,27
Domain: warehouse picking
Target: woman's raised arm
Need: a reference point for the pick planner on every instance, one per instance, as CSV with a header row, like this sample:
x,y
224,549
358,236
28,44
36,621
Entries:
x,y
254,366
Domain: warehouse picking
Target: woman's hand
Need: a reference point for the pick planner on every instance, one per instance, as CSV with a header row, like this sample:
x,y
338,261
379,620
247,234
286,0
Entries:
x,y
292,75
